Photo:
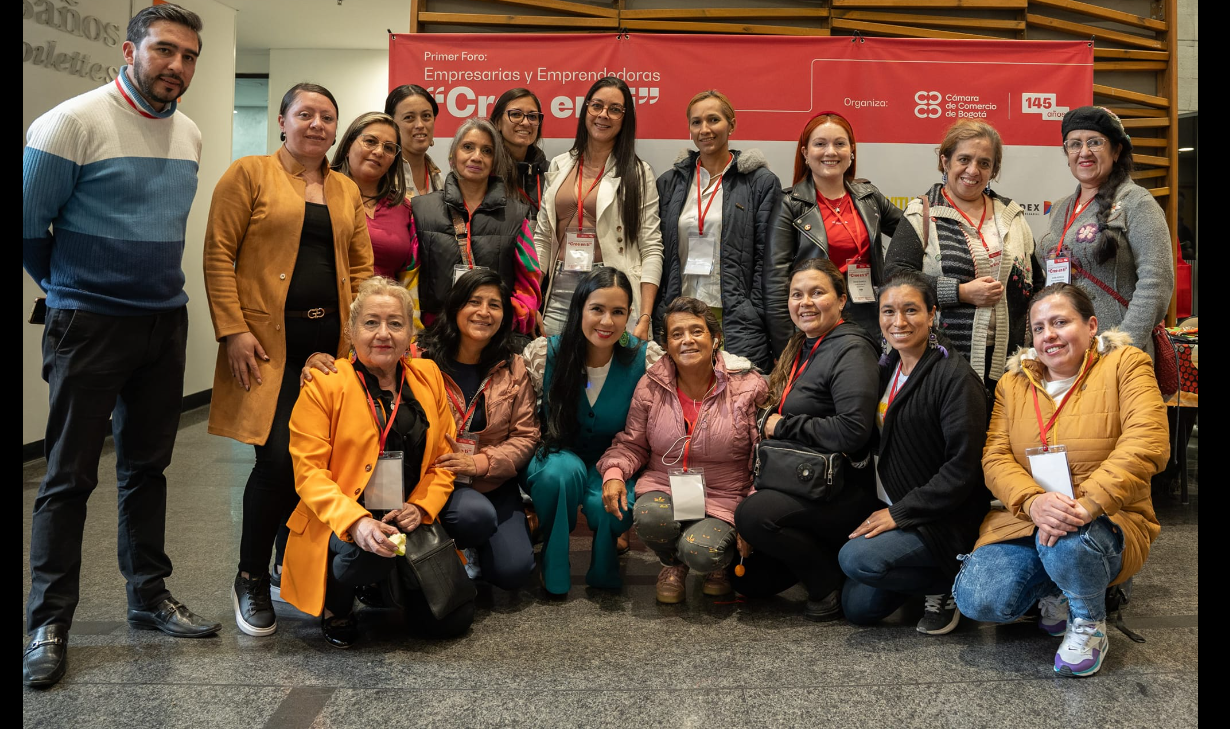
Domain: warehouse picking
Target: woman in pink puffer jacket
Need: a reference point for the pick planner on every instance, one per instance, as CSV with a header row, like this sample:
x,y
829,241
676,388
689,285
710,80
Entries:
x,y
692,428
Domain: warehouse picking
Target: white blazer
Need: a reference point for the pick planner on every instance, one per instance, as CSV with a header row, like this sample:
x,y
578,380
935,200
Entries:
x,y
641,262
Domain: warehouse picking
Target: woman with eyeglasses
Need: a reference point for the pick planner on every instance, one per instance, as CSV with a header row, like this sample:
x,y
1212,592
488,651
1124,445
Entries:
x,y
518,116
415,112
285,251
367,155
600,208
1109,237
476,222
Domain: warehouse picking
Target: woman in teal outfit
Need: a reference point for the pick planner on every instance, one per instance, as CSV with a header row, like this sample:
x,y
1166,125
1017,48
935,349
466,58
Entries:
x,y
586,376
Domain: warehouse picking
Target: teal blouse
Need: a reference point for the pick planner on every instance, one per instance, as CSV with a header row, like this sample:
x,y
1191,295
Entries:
x,y
598,424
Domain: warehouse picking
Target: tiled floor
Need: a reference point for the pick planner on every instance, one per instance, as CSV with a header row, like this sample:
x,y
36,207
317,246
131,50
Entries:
x,y
598,659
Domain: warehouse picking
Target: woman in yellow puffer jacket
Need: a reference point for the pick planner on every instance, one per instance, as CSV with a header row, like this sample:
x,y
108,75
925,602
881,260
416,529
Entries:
x,y
1095,395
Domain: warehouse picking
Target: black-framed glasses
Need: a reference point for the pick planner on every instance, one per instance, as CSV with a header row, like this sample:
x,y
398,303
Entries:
x,y
1093,144
516,116
370,143
614,111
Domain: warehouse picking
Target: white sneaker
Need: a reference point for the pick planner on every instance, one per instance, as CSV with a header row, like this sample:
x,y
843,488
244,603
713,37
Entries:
x,y
1054,618
472,570
1083,648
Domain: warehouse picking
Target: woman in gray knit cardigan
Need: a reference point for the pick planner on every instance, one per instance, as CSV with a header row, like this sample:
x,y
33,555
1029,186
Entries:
x,y
1111,229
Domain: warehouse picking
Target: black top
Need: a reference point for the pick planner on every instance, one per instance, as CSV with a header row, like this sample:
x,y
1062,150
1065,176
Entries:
x,y
469,377
409,433
314,281
931,454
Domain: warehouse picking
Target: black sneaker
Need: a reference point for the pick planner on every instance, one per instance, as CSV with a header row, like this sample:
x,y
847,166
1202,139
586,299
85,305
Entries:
x,y
822,611
340,631
253,606
275,584
940,617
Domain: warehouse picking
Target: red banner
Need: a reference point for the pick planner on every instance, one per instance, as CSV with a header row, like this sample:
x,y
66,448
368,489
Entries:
x,y
892,90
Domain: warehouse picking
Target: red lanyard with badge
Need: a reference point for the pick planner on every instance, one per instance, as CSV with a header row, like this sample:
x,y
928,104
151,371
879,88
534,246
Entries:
x,y
467,442
467,253
688,484
859,286
385,490
977,228
796,372
579,245
1048,464
702,249
1059,265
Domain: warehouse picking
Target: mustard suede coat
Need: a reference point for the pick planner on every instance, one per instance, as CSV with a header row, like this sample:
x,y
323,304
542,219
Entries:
x,y
1114,427
334,446
251,243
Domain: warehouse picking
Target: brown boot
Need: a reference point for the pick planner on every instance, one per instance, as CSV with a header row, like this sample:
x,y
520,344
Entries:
x,y
717,583
671,587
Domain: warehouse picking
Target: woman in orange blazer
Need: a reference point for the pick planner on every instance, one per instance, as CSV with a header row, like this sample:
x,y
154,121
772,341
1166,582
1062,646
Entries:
x,y
338,431
285,249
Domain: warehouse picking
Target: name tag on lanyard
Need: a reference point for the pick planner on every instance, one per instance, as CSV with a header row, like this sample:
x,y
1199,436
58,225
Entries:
x,y
579,248
1049,467
702,250
1058,270
386,489
688,493
858,282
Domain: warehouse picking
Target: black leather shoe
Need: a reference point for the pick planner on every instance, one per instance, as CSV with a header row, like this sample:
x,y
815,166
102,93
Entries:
x,y
824,610
340,630
173,618
45,657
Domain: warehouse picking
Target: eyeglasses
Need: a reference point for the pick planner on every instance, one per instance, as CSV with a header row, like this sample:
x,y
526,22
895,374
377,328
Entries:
x,y
614,111
370,143
516,116
1093,144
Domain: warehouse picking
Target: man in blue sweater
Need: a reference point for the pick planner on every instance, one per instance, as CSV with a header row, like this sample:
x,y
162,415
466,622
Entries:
x,y
108,178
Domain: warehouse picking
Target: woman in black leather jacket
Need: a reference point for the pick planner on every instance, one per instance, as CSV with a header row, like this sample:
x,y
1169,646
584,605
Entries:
x,y
829,213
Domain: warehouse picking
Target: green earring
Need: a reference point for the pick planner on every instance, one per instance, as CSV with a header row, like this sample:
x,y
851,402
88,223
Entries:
x,y
624,339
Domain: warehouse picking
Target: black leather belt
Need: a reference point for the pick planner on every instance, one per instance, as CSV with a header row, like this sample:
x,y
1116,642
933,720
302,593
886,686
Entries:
x,y
317,313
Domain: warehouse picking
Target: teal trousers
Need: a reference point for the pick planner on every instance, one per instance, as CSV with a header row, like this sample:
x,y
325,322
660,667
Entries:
x,y
558,484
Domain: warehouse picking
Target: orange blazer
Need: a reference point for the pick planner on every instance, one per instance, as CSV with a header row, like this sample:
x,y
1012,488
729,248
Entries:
x,y
251,243
334,446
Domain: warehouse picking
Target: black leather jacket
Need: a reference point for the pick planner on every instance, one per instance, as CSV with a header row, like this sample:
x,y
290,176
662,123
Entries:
x,y
798,234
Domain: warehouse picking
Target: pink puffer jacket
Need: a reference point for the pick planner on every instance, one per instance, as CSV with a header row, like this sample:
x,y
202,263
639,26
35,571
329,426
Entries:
x,y
724,441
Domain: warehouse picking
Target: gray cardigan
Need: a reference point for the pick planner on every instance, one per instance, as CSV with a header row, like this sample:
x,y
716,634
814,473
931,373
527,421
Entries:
x,y
1143,274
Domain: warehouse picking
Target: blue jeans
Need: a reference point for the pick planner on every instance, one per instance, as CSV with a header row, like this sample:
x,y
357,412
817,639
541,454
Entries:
x,y
1000,582
884,571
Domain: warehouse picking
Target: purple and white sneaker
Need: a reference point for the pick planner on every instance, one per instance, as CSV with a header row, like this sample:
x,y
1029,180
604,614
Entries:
x,y
1083,648
1054,618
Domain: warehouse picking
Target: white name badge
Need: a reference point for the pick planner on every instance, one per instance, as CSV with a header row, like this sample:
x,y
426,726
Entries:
x,y
385,490
858,282
1058,270
579,250
701,252
1049,467
688,493
467,443
461,269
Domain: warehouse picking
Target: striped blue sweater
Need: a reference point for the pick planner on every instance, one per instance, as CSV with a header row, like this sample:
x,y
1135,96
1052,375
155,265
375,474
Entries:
x,y
107,183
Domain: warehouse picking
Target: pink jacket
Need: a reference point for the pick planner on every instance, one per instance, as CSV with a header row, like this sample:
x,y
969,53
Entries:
x,y
724,441
511,435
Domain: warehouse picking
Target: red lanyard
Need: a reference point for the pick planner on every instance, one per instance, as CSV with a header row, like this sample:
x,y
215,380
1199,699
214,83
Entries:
x,y
1076,212
892,391
700,223
469,226
580,197
538,182
1044,428
384,434
795,372
977,228
467,413
689,425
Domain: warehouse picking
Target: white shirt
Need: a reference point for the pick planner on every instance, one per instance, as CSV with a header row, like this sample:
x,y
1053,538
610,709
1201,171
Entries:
x,y
1058,388
597,378
706,288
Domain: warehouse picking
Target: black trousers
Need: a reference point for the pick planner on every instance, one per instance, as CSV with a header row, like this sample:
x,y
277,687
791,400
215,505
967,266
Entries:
x,y
796,540
269,496
107,374
351,567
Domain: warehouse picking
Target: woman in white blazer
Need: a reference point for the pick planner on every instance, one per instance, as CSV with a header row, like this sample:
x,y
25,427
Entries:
x,y
590,217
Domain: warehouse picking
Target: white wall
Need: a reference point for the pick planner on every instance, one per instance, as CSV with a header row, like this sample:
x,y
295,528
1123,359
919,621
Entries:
x,y
1189,56
207,103
358,79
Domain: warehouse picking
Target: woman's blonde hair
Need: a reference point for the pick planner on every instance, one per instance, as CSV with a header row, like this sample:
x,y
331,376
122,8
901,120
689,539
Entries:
x,y
380,286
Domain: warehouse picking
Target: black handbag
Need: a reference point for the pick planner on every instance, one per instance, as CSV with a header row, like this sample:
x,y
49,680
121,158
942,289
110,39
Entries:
x,y
431,557
799,470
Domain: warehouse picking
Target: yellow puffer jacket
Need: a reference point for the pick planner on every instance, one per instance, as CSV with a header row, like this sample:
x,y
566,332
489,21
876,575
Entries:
x,y
1114,427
